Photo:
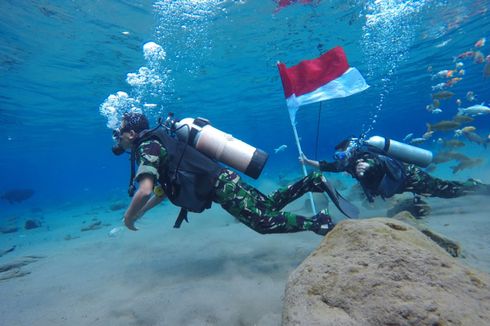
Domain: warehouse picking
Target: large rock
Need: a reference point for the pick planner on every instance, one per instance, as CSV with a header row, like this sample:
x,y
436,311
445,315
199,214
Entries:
x,y
384,272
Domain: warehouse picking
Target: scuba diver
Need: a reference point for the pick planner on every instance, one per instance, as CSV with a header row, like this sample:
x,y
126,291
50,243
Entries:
x,y
176,168
385,167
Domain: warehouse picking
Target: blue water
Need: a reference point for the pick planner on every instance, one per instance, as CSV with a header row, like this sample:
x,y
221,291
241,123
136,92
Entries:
x,y
61,60
60,63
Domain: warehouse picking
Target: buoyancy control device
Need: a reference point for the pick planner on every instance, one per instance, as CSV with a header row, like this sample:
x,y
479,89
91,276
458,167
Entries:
x,y
221,146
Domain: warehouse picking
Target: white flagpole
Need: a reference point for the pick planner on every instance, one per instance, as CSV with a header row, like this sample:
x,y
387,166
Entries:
x,y
292,113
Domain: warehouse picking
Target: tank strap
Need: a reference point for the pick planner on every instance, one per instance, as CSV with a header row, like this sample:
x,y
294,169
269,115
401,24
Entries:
x,y
387,145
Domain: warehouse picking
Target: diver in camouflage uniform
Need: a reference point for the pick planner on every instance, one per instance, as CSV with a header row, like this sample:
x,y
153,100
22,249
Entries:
x,y
259,212
380,175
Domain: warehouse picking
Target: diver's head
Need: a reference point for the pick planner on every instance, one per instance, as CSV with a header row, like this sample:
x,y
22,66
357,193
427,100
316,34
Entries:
x,y
131,125
345,149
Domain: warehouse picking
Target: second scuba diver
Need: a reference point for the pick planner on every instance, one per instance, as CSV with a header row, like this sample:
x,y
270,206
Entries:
x,y
169,167
385,176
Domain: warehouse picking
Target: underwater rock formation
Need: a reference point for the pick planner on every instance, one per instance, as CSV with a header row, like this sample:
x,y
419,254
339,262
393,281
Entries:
x,y
15,269
451,246
17,195
384,272
32,224
416,206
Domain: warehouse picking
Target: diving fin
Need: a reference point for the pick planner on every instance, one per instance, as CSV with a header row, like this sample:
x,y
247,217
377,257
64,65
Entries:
x,y
346,207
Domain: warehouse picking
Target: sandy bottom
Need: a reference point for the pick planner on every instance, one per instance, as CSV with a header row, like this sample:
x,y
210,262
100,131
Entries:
x,y
213,271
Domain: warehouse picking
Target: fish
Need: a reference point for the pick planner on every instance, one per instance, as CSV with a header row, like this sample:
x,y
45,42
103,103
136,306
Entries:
x,y
436,111
475,138
453,81
453,143
280,149
470,96
459,65
417,141
479,57
436,103
458,102
486,69
466,164
407,137
444,125
442,95
462,118
474,110
480,43
439,87
428,134
442,44
468,129
466,55
443,74
446,156
17,195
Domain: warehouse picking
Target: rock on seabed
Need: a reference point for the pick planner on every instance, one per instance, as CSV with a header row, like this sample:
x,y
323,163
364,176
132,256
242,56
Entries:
x,y
384,272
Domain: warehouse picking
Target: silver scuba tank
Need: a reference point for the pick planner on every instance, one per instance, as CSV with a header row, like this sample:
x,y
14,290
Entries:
x,y
221,146
400,151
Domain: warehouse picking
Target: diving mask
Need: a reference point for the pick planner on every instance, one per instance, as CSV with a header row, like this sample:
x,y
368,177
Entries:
x,y
117,149
344,156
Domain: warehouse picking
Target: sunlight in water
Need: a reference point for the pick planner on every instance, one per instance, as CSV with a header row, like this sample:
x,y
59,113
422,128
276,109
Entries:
x,y
388,34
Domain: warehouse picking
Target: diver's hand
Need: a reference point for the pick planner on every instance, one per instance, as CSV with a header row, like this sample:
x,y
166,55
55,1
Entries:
x,y
306,161
129,222
361,168
302,159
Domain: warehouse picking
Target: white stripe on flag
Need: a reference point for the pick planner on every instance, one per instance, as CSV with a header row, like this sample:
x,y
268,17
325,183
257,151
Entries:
x,y
349,83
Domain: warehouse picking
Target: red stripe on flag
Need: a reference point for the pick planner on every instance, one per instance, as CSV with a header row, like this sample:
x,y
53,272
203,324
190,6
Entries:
x,y
308,75
286,83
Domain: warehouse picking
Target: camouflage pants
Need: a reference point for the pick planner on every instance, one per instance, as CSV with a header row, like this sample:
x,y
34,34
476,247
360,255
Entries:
x,y
263,213
421,183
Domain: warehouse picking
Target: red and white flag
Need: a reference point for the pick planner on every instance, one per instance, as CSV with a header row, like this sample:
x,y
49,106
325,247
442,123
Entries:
x,y
284,3
326,77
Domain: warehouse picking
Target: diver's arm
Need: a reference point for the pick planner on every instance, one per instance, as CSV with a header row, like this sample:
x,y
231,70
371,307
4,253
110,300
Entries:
x,y
304,160
322,165
139,200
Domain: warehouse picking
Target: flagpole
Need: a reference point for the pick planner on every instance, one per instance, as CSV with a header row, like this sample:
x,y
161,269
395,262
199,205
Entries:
x,y
303,165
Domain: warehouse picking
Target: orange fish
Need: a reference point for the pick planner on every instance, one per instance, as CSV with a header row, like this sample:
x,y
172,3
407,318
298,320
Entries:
x,y
453,81
480,42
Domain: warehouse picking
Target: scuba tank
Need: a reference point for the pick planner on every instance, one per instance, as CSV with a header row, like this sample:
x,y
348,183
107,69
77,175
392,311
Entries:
x,y
221,146
400,151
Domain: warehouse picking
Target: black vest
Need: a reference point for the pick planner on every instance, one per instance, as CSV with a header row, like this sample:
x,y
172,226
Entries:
x,y
188,177
393,180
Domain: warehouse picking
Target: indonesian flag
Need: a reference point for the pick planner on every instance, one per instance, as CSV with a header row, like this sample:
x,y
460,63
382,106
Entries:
x,y
284,3
326,77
